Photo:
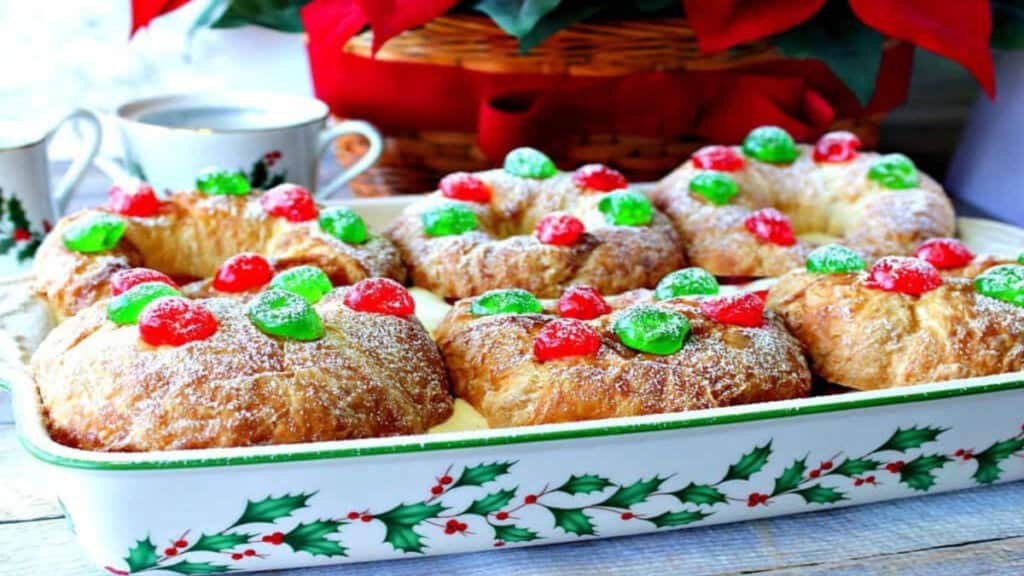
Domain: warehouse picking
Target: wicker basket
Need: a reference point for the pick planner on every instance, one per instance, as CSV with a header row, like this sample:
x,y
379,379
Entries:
x,y
413,161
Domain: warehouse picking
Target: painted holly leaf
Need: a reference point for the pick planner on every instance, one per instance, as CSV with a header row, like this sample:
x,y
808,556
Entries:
x,y
573,521
141,556
258,174
791,477
917,473
272,509
220,542
635,493
903,440
6,243
750,464
856,466
491,502
187,567
311,537
482,473
513,533
584,484
819,494
16,214
988,461
681,518
700,494
28,249
276,178
400,521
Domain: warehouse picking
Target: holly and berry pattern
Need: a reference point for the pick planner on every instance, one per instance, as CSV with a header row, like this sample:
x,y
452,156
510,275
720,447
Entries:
x,y
17,235
262,174
503,513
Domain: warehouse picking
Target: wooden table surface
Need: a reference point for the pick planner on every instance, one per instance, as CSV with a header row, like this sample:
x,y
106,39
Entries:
x,y
979,531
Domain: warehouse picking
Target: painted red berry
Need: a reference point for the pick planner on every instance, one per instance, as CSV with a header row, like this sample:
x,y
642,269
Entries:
x,y
815,473
838,146
564,338
870,479
770,225
453,523
501,515
744,309
499,544
530,499
959,452
133,199
435,490
249,552
124,280
449,530
582,303
858,481
170,551
559,229
173,321
380,296
236,556
903,275
243,272
366,518
180,543
944,253
353,515
826,465
894,467
291,202
756,498
21,235
626,515
721,158
599,177
465,186
446,479
463,526
277,538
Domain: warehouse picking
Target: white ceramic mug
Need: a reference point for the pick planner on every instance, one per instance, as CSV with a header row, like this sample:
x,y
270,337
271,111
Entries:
x,y
271,138
28,208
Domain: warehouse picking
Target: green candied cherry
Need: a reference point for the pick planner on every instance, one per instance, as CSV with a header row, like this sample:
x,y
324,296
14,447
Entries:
x,y
686,282
509,301
309,282
652,330
716,187
94,232
834,259
344,224
449,219
529,163
1004,283
770,144
626,208
126,306
894,171
280,313
218,182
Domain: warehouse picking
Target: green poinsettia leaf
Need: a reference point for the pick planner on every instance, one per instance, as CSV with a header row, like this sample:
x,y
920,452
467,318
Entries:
x,y
271,509
311,537
635,493
482,473
220,542
187,567
513,533
700,494
903,440
917,473
681,518
491,502
988,461
584,484
791,477
573,521
751,463
856,466
562,17
819,494
517,17
852,50
1007,24
282,15
141,556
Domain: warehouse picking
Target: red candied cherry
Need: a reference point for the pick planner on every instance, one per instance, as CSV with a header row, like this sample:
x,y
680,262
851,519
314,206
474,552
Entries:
x,y
746,309
903,275
380,296
277,538
243,272
582,303
170,552
435,490
465,186
446,479
501,515
895,467
353,515
770,225
564,338
944,253
173,321
236,556
721,158
530,499
180,543
134,198
626,515
838,146
124,280
291,202
599,177
559,229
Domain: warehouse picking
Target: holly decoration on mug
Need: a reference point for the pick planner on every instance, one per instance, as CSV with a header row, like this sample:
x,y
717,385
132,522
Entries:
x,y
263,176
16,232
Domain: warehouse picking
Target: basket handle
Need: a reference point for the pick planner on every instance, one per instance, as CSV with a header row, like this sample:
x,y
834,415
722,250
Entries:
x,y
369,158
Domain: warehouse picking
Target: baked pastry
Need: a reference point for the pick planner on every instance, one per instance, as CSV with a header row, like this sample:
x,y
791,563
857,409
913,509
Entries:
x,y
190,234
530,227
759,209
520,361
149,370
901,322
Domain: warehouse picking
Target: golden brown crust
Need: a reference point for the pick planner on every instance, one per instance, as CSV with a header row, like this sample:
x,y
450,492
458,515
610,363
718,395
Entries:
x,y
491,364
835,200
370,375
868,339
503,253
191,236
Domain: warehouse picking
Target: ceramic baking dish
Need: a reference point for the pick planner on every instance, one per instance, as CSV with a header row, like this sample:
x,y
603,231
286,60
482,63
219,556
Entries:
x,y
214,511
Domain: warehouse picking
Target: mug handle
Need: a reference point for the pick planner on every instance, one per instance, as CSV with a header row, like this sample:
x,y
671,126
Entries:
x,y
62,193
371,156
